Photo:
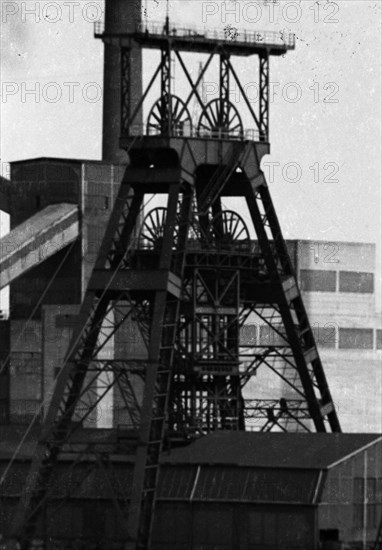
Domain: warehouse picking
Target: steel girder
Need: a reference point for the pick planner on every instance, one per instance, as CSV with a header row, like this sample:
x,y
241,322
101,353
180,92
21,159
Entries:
x,y
295,320
224,91
223,115
264,97
206,392
166,97
125,89
84,379
197,369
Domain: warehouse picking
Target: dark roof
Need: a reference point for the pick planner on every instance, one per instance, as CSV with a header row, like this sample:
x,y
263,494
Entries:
x,y
248,449
272,450
16,438
62,160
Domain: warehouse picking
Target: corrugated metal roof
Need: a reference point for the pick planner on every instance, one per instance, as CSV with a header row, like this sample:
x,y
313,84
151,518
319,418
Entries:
x,y
259,450
16,438
272,450
60,160
245,484
176,482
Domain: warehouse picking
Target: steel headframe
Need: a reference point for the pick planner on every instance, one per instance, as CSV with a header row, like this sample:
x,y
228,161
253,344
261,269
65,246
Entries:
x,y
190,293
171,50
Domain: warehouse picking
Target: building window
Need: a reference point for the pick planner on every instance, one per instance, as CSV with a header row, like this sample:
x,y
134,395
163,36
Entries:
x,y
98,202
358,516
326,336
354,281
248,335
25,362
378,339
318,280
329,535
356,338
371,495
272,336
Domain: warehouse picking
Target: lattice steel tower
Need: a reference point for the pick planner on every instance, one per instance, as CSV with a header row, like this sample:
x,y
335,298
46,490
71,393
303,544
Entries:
x,y
191,280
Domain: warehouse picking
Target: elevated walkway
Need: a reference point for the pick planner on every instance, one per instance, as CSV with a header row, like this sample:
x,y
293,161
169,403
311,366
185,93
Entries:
x,y
37,239
155,34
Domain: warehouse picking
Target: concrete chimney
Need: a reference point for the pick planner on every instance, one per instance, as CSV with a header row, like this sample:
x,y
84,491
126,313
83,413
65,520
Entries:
x,y
121,16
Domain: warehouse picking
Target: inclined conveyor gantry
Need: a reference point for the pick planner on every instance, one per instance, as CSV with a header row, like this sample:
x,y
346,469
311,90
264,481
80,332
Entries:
x,y
37,239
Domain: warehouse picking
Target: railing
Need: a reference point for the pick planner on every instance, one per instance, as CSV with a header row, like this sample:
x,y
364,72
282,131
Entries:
x,y
206,246
227,34
187,131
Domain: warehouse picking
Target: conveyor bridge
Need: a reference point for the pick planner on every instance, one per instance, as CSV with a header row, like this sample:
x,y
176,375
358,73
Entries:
x,y
37,239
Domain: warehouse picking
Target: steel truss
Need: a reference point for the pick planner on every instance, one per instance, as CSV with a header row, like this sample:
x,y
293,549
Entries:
x,y
264,96
219,117
84,380
190,282
190,294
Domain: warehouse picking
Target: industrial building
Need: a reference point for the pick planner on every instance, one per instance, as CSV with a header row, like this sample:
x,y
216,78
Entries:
x,y
342,300
256,492
162,386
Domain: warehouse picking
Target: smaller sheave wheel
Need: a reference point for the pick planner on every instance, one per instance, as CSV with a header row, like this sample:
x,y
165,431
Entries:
x,y
152,229
228,230
181,124
220,118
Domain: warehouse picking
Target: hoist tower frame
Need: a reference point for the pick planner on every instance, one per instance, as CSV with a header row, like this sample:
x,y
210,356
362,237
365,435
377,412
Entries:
x,y
190,280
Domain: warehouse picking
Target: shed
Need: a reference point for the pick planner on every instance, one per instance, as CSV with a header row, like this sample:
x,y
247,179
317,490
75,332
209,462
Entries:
x,y
273,491
225,491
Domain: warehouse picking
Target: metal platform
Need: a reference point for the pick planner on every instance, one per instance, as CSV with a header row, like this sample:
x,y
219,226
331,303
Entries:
x,y
237,42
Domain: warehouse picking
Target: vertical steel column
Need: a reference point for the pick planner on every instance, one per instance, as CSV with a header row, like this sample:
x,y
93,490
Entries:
x,y
300,337
264,97
125,91
166,106
223,117
307,340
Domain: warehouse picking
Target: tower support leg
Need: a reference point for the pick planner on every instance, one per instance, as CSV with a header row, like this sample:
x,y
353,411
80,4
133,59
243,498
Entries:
x,y
298,331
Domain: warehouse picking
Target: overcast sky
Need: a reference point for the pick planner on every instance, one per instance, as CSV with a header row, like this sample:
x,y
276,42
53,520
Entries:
x,y
337,59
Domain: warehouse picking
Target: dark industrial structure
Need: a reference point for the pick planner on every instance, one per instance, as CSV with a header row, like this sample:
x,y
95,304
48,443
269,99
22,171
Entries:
x,y
225,491
176,468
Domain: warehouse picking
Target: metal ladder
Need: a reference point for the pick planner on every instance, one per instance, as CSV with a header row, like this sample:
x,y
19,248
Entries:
x,y
164,326
292,309
71,385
